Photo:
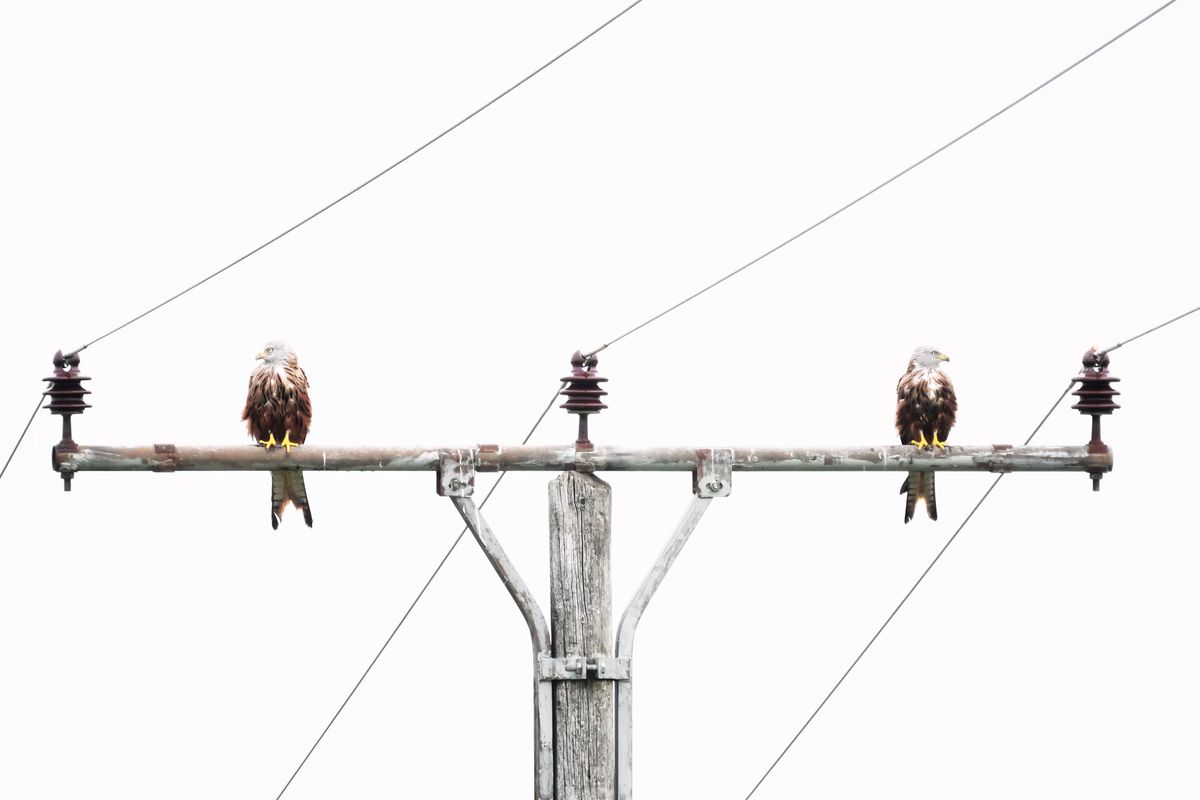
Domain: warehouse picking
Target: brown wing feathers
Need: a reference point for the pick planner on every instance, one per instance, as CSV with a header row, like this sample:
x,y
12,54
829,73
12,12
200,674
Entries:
x,y
947,408
925,406
277,404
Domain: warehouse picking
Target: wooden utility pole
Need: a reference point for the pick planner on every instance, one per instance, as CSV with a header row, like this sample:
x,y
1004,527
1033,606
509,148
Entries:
x,y
581,625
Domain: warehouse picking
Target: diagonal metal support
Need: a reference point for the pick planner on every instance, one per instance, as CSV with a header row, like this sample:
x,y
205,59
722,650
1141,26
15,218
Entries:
x,y
711,479
458,485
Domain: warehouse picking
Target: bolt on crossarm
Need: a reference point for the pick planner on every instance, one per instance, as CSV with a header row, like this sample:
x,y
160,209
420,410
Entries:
x,y
582,673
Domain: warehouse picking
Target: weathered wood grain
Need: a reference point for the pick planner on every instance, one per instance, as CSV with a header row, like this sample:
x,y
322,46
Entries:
x,y
581,625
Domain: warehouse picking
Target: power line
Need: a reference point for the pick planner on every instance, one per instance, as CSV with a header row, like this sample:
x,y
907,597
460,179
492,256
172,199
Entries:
x,y
1051,411
529,435
950,541
706,289
854,663
325,208
687,299
411,606
1151,330
854,202
890,180
21,438
362,185
900,605
386,642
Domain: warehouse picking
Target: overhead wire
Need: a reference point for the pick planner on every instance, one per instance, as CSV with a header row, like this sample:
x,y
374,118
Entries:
x,y
623,335
689,298
863,652
740,269
328,206
609,343
937,557
367,182
1150,330
21,438
411,606
900,605
885,183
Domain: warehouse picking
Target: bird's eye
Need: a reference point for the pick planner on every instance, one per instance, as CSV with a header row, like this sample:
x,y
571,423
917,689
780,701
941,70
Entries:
x,y
270,349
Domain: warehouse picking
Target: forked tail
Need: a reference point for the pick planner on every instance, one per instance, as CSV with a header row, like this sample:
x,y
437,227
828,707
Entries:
x,y
287,486
919,485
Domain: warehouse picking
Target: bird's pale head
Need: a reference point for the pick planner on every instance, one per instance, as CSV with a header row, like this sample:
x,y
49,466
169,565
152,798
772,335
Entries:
x,y
929,357
275,353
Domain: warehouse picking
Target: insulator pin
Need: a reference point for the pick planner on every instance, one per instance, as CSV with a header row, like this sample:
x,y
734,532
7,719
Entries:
x,y
66,395
1095,395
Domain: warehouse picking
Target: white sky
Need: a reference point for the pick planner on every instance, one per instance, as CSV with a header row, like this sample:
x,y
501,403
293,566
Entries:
x,y
160,641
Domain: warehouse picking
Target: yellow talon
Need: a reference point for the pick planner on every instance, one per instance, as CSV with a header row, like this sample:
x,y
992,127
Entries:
x,y
269,442
287,444
936,443
922,443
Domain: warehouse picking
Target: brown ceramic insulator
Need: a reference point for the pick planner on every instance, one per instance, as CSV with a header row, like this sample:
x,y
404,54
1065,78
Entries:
x,y
583,390
66,390
1095,390
583,394
66,395
1095,395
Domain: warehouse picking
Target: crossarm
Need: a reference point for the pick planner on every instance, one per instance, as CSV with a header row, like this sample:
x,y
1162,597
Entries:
x,y
492,458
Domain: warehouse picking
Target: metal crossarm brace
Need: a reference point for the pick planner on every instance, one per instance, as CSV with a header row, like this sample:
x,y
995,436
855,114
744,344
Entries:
x,y
456,480
713,477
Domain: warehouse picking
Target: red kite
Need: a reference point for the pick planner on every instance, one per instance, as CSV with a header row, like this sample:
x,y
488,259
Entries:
x,y
925,409
278,412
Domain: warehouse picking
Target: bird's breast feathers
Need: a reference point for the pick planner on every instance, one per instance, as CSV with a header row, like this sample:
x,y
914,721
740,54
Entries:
x,y
930,382
936,384
276,380
279,376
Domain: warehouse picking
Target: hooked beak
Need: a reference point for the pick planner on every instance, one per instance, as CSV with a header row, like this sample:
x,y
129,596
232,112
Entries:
x,y
943,357
260,357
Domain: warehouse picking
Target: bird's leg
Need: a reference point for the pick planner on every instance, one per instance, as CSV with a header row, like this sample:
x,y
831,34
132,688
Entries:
x,y
922,444
269,442
936,443
287,443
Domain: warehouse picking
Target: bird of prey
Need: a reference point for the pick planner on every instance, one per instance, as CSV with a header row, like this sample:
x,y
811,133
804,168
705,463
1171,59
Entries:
x,y
925,409
278,412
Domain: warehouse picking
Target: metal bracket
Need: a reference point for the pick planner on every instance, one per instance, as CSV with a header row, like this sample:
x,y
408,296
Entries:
x,y
456,473
713,476
578,668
